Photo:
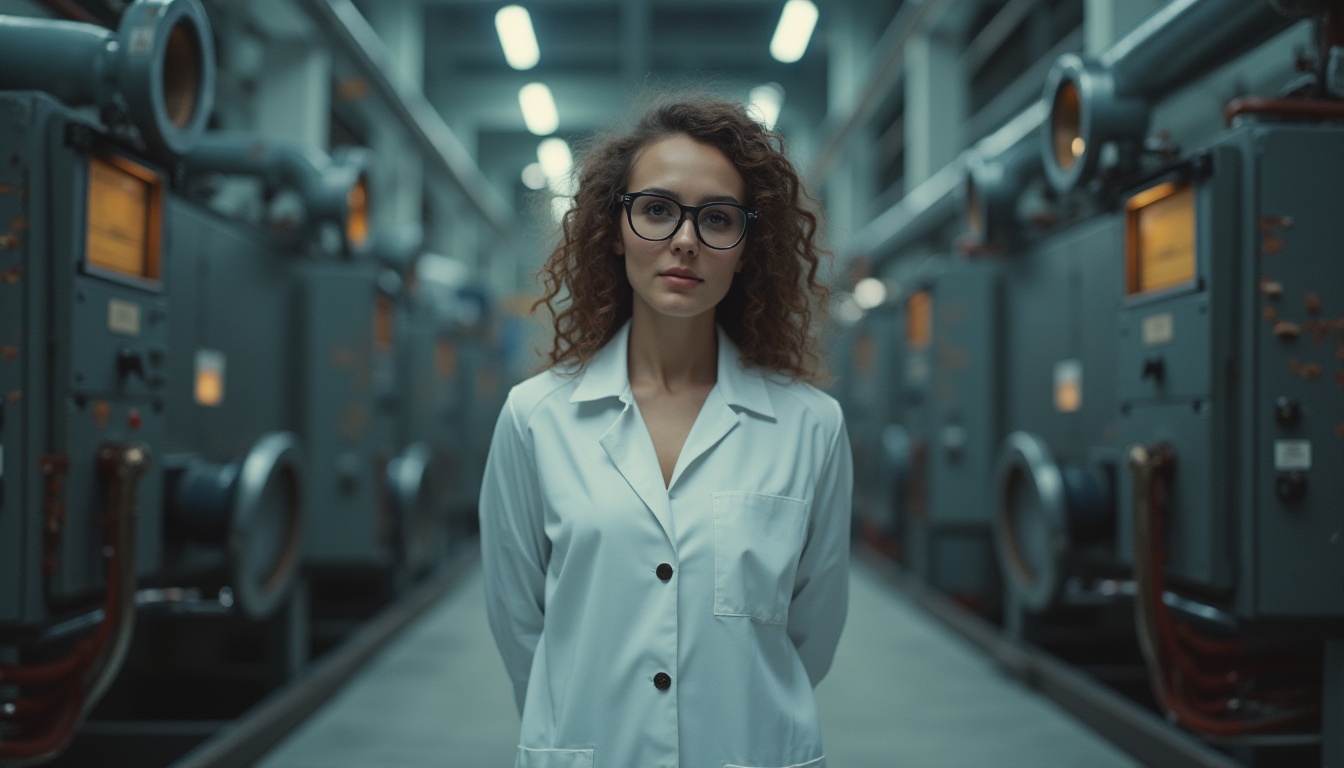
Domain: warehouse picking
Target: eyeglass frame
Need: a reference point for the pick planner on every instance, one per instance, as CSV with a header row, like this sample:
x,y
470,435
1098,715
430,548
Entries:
x,y
627,200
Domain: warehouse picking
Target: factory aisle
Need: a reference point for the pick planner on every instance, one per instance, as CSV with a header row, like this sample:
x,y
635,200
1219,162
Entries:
x,y
904,692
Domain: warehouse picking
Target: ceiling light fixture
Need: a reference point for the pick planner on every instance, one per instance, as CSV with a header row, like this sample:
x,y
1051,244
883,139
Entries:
x,y
538,109
766,101
534,177
557,161
514,25
794,31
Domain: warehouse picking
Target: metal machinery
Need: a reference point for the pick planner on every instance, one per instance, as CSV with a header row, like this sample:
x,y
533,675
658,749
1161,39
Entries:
x,y
200,417
450,383
1169,376
873,349
1227,351
412,390
308,312
86,359
950,411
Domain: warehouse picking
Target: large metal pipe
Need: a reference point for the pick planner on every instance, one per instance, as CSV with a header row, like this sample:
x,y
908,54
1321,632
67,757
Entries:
x,y
939,200
1107,99
157,71
1186,39
328,186
352,37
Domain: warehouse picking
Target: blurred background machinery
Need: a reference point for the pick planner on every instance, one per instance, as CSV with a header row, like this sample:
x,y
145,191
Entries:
x,y
1137,372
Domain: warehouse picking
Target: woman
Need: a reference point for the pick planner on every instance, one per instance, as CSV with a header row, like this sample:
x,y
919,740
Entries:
x,y
665,511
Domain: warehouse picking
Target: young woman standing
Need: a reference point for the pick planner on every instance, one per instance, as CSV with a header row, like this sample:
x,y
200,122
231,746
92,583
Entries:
x,y
665,510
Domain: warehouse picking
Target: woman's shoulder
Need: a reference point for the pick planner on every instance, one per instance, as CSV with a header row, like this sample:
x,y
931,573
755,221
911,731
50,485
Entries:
x,y
790,393
532,393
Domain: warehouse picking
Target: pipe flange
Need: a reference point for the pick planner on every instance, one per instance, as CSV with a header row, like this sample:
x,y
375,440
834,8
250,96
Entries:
x,y
1086,114
266,530
1031,524
166,69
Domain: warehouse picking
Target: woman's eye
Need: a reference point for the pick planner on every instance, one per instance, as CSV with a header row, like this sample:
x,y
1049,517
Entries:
x,y
657,210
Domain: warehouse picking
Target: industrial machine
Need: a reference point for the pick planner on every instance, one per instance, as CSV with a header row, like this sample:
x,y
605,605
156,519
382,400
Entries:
x,y
1164,407
201,418
86,356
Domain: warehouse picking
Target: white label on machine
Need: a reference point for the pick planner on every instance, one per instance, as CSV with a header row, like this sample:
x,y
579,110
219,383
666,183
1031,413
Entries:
x,y
1158,329
1292,455
123,317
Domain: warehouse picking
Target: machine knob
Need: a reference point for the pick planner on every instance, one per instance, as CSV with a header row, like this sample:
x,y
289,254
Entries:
x,y
128,362
1154,366
1290,486
1287,411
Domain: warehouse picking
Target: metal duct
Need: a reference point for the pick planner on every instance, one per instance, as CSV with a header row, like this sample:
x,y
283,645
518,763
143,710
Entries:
x,y
334,189
1106,99
157,71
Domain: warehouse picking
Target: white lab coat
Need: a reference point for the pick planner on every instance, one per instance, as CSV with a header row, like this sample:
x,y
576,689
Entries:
x,y
575,522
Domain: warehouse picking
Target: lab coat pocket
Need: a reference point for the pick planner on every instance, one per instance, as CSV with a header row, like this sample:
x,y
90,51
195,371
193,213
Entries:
x,y
554,758
757,541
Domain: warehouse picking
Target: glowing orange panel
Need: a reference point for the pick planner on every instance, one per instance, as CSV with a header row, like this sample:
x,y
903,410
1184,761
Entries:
x,y
124,216
1160,238
445,358
382,323
919,320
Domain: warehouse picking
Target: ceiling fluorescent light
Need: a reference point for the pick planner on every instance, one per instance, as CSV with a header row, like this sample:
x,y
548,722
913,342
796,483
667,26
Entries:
x,y
514,26
557,161
794,31
534,177
538,109
766,101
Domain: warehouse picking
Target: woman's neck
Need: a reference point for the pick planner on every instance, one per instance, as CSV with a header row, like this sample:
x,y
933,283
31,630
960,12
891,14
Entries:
x,y
672,353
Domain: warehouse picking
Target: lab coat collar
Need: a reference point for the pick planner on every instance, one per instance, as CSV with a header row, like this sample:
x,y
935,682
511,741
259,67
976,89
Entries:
x,y
608,375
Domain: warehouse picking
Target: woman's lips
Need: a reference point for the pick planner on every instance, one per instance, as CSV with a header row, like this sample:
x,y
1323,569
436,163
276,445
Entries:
x,y
680,279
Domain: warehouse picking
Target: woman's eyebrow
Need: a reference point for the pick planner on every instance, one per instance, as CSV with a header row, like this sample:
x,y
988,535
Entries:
x,y
673,195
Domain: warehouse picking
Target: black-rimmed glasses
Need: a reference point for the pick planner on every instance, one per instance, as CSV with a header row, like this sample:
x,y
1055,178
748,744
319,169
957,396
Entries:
x,y
718,225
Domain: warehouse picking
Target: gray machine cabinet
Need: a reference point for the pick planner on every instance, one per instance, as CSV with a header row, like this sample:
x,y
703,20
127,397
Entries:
x,y
966,397
1254,510
1063,292
81,367
956,397
964,437
349,521
1295,184
1173,358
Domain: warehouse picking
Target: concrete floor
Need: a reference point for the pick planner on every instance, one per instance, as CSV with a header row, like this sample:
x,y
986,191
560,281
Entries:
x,y
905,692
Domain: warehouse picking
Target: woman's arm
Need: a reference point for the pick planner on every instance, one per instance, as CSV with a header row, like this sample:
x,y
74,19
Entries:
x,y
514,549
821,589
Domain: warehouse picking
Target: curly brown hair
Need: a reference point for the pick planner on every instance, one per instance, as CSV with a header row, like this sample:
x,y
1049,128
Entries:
x,y
772,303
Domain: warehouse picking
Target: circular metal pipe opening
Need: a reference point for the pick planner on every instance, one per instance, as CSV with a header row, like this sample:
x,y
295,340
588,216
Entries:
x,y
182,74
266,538
1066,125
1031,527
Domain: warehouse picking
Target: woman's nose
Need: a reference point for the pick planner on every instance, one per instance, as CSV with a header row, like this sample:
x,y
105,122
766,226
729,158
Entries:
x,y
684,237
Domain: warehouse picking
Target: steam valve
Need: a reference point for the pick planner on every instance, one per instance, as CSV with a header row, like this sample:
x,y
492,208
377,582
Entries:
x,y
1290,487
1287,411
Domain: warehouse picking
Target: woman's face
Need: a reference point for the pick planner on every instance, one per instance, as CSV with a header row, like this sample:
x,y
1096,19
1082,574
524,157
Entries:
x,y
681,276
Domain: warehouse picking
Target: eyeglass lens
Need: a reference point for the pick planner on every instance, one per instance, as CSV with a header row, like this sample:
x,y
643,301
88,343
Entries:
x,y
654,218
